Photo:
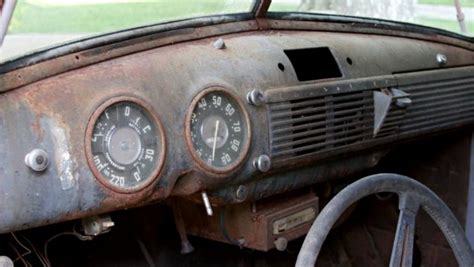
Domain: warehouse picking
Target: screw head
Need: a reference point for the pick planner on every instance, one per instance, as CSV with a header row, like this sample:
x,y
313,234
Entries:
x,y
441,59
219,44
241,193
255,97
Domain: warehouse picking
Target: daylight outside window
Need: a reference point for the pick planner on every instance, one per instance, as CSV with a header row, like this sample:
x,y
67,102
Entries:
x,y
42,23
451,15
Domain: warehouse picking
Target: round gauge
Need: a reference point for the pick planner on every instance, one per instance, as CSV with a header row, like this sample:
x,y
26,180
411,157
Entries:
x,y
125,144
218,130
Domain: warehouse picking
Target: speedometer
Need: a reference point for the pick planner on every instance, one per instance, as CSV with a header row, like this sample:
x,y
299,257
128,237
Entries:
x,y
217,130
125,144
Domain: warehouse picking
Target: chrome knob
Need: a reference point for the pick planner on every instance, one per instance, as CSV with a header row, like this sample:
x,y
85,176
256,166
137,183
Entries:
x,y
37,160
262,163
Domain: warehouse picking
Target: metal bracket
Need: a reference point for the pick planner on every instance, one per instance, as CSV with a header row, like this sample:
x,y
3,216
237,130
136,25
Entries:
x,y
402,99
382,103
97,225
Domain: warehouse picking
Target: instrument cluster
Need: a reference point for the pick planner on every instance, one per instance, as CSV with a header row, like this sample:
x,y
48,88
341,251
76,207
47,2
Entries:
x,y
126,142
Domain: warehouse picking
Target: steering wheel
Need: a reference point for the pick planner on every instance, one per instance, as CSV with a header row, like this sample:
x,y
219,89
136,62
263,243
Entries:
x,y
412,195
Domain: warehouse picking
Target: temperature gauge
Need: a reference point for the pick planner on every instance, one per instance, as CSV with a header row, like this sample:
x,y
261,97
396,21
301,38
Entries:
x,y
125,145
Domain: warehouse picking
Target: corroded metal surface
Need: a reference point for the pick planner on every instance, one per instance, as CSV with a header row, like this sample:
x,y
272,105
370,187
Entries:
x,y
53,113
253,224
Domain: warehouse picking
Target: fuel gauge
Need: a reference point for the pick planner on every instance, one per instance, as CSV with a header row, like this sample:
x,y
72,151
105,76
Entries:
x,y
125,144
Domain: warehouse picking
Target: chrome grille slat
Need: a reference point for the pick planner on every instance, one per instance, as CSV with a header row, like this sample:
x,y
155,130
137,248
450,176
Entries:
x,y
317,110
318,124
313,132
438,93
319,138
450,99
315,117
321,145
311,101
444,84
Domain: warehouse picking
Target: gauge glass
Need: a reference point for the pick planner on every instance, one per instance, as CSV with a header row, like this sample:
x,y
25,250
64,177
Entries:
x,y
218,130
126,146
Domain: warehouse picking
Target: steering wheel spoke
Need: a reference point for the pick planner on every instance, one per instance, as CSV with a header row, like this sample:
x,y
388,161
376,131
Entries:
x,y
402,251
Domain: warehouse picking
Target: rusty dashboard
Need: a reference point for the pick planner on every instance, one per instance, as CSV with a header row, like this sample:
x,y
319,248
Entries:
x,y
286,129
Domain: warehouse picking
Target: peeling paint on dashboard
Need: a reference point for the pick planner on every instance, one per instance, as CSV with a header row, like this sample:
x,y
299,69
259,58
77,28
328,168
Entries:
x,y
66,165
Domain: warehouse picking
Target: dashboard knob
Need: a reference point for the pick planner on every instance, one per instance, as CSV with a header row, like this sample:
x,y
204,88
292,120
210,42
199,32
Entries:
x,y
262,163
37,160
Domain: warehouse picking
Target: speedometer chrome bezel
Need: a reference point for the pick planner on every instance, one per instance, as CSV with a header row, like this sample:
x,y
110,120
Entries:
x,y
202,165
153,177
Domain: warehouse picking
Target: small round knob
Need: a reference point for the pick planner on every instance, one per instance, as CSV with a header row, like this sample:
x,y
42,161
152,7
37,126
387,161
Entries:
x,y
281,243
37,160
255,97
262,163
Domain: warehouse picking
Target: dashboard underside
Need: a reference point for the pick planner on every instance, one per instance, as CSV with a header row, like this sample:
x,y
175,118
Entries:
x,y
234,115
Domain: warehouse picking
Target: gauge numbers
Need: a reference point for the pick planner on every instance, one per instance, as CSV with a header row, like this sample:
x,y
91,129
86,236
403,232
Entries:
x,y
126,146
218,130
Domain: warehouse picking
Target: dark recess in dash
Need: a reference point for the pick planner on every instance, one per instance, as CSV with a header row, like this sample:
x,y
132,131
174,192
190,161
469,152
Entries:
x,y
313,63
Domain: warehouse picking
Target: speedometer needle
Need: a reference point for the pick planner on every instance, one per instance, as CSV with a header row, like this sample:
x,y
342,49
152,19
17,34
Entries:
x,y
215,140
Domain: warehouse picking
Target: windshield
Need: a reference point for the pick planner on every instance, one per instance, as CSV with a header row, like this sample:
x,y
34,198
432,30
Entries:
x,y
40,23
452,15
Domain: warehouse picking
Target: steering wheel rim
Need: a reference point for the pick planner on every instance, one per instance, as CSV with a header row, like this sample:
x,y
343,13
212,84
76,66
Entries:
x,y
412,195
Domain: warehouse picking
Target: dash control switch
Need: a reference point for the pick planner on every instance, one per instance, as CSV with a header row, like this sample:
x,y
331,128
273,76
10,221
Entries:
x,y
37,160
262,163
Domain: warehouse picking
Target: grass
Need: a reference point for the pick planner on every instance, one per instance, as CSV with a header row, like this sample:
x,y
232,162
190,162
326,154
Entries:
x,y
450,25
464,3
38,16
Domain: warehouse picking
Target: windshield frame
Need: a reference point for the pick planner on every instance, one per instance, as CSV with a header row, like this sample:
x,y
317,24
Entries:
x,y
258,15
367,22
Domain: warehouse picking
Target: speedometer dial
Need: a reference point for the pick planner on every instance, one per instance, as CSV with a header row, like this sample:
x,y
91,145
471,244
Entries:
x,y
125,144
218,130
